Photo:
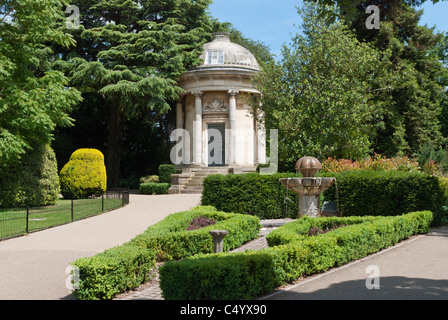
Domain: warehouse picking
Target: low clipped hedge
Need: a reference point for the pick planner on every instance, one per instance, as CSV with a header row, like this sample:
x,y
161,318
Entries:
x,y
113,271
154,188
298,230
244,275
125,267
170,239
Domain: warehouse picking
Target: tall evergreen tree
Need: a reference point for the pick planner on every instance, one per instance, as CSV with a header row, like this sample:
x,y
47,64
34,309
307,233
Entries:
x,y
412,110
131,53
412,115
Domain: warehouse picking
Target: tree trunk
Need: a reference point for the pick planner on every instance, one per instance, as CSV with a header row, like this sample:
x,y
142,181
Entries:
x,y
114,144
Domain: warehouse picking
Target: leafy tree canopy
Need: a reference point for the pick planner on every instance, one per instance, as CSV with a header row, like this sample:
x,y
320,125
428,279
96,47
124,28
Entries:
x,y
348,9
33,98
322,95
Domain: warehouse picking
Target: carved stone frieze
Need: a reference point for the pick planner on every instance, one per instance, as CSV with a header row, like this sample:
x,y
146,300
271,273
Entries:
x,y
215,105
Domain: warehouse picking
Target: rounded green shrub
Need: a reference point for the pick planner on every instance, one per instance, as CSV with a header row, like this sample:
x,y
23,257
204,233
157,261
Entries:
x,y
165,172
33,181
84,175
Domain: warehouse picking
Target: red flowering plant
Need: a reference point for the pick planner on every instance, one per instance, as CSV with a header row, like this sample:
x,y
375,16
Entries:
x,y
432,168
200,222
314,231
376,162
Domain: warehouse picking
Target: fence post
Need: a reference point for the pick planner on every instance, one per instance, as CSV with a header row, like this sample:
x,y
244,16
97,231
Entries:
x,y
72,210
102,202
27,218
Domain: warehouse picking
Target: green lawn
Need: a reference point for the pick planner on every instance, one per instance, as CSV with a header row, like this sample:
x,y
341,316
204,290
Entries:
x,y
13,222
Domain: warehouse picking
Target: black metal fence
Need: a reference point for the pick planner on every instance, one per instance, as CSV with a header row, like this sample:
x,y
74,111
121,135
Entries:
x,y
17,222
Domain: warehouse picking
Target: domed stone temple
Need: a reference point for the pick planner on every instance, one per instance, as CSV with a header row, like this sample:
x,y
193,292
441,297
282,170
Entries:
x,y
220,133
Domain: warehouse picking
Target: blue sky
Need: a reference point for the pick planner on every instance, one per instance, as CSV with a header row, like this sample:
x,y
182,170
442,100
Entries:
x,y
272,21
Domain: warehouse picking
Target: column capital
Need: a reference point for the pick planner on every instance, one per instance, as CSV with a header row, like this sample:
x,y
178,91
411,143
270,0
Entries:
x,y
232,93
197,94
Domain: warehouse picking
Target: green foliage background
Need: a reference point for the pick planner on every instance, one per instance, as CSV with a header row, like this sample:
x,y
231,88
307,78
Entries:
x,y
34,98
342,90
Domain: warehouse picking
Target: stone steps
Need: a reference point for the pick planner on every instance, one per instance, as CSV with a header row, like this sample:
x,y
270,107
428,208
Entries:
x,y
190,180
194,184
192,190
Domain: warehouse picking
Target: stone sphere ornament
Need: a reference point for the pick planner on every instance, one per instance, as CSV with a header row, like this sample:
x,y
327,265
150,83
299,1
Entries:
x,y
308,166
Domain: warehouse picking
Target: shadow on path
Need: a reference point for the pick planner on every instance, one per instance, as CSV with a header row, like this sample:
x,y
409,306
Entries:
x,y
390,288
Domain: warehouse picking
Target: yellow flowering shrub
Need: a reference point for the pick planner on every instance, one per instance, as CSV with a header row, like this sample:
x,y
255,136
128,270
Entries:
x,y
84,175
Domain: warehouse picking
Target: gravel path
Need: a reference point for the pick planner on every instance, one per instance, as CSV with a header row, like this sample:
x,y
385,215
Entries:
x,y
34,267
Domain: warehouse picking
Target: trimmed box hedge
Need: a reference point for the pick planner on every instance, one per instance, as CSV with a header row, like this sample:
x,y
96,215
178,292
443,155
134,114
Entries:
x,y
170,239
154,188
250,193
165,172
244,275
113,271
125,267
360,192
370,192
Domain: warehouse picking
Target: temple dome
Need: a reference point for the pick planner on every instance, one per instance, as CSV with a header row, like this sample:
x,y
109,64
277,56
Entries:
x,y
222,53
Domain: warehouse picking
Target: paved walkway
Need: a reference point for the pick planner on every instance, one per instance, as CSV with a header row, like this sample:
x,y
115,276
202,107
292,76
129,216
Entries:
x,y
33,267
415,269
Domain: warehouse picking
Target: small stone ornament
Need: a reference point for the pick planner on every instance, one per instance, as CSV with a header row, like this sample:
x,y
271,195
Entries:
x,y
218,235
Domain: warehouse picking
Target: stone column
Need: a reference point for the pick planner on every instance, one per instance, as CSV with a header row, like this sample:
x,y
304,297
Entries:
x,y
261,146
218,235
261,137
179,115
197,129
232,126
181,132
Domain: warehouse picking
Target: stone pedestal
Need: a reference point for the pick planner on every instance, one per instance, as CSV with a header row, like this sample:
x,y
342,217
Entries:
x,y
218,236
